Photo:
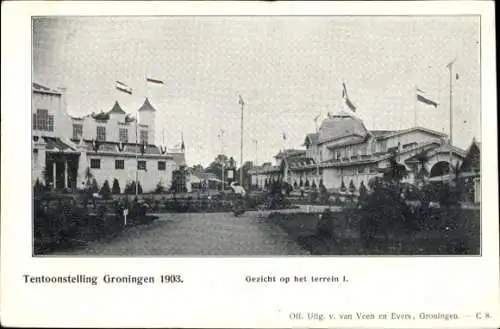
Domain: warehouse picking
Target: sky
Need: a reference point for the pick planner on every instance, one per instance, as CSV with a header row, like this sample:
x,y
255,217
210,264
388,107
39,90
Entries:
x,y
288,70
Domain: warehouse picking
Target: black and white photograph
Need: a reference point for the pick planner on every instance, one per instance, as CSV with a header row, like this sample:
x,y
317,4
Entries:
x,y
250,164
256,135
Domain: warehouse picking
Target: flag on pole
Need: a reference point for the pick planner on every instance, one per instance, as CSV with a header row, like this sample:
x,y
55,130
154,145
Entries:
x,y
284,136
346,98
123,87
155,81
425,99
183,147
240,101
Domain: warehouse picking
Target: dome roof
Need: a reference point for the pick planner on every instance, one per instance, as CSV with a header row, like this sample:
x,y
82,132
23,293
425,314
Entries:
x,y
341,125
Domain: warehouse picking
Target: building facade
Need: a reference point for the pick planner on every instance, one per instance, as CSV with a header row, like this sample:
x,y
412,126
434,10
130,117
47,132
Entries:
x,y
107,145
344,153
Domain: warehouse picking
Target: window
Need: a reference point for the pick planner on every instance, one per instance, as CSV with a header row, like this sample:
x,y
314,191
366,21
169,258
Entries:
x,y
77,130
101,133
95,163
405,146
43,121
161,165
141,165
123,135
144,136
119,164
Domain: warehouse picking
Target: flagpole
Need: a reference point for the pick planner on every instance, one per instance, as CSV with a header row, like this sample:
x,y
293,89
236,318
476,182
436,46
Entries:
x,y
450,69
317,147
136,154
221,136
256,158
241,142
415,110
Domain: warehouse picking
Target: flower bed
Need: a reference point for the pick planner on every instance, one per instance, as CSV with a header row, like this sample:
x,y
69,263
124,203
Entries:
x,y
60,224
441,231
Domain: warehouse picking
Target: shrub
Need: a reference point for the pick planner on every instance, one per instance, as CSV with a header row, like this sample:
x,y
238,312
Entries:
x,y
342,187
38,187
384,212
301,183
323,194
105,191
314,196
130,188
362,189
159,188
295,184
307,183
116,187
321,183
352,188
313,184
94,188
325,224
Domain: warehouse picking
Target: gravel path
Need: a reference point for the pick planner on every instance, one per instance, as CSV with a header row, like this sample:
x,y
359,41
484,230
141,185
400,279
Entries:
x,y
198,234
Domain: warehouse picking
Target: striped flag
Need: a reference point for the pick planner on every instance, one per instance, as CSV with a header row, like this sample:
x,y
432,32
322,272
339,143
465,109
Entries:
x,y
347,101
123,87
424,99
154,81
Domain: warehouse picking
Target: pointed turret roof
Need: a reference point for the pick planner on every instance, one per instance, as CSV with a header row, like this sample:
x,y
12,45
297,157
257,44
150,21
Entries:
x,y
116,109
147,106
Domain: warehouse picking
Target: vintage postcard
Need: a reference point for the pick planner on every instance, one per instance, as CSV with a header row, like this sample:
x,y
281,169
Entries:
x,y
253,164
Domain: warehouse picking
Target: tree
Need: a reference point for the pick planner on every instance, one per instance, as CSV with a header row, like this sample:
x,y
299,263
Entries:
x,y
314,184
94,187
396,172
246,177
116,187
295,184
159,188
307,183
342,186
362,189
352,188
88,176
105,190
231,163
422,172
130,188
215,167
139,188
301,182
321,183
47,176
38,187
197,168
